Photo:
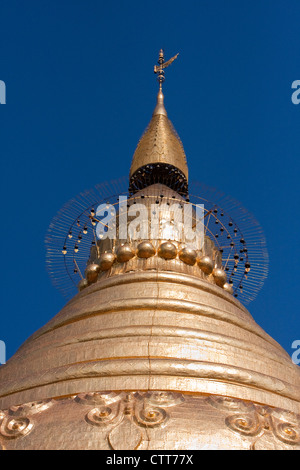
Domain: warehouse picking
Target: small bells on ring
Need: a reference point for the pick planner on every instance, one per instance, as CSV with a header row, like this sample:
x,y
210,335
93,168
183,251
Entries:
x,y
206,264
228,288
219,277
106,261
82,284
167,250
145,249
188,256
91,272
124,253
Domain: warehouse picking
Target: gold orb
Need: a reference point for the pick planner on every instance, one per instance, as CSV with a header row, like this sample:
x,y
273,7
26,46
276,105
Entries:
x,y
219,277
145,250
91,272
82,284
188,256
228,287
124,253
206,264
167,250
106,261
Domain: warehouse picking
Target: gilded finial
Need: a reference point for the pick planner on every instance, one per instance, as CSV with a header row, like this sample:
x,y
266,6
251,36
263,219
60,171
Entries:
x,y
159,69
159,155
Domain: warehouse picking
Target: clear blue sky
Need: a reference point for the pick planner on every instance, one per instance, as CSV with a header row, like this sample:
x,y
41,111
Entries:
x,y
81,90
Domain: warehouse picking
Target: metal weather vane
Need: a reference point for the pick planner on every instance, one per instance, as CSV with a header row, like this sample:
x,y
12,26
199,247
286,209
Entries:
x,y
159,69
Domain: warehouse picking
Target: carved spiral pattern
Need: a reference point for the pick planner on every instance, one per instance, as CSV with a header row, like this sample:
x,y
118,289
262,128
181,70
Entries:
x,y
127,413
249,419
12,428
287,432
17,421
245,424
100,416
151,417
124,416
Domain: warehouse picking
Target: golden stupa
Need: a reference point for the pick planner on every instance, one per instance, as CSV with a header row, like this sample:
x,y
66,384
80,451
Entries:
x,y
154,352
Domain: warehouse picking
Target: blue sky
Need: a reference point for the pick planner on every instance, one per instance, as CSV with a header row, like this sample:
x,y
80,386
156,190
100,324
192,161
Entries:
x,y
81,90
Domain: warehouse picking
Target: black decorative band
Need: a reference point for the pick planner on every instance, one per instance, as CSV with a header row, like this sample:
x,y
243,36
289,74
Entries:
x,y
159,173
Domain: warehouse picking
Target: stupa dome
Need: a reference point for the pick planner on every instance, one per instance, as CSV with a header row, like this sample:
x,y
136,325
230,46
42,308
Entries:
x,y
154,351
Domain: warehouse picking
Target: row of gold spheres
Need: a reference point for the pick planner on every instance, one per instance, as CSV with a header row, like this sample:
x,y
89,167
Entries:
x,y
145,249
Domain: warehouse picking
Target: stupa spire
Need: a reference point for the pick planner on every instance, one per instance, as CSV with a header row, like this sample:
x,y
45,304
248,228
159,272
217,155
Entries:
x,y
159,156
